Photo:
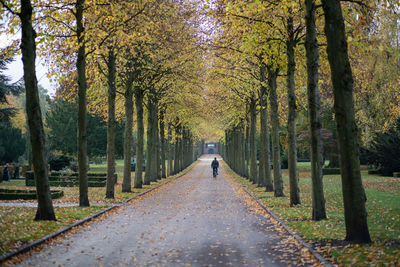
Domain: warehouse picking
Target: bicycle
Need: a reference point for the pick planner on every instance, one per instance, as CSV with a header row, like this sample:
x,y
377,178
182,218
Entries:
x,y
215,172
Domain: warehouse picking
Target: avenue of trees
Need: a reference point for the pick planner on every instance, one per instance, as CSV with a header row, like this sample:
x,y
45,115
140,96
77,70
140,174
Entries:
x,y
110,59
271,80
306,71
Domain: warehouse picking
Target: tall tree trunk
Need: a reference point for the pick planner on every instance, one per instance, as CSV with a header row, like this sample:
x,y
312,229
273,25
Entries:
x,y
140,138
354,197
170,151
148,176
292,151
241,152
269,187
273,100
247,148
264,158
45,209
111,124
127,180
162,141
82,105
156,149
318,199
176,157
253,147
180,149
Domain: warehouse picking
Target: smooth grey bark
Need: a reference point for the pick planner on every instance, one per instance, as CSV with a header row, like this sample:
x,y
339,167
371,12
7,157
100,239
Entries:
x,y
311,44
45,209
253,148
273,100
111,124
354,197
128,136
162,143
82,106
139,95
291,125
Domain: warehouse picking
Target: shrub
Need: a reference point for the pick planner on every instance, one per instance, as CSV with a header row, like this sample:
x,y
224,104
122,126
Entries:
x,y
59,163
12,143
13,194
284,161
385,150
97,160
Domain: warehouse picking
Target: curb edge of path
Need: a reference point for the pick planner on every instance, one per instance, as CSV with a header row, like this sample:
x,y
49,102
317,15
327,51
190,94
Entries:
x,y
296,236
46,238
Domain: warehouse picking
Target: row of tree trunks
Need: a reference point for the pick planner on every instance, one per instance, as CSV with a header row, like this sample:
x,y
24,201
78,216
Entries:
x,y
234,151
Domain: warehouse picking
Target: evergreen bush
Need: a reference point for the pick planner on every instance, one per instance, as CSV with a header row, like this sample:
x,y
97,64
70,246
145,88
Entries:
x,y
384,152
59,163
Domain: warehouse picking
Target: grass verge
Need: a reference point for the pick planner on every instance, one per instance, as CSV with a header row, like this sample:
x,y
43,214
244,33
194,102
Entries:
x,y
17,225
96,194
327,236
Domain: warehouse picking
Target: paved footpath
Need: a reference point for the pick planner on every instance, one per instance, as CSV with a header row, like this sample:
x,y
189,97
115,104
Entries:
x,y
194,221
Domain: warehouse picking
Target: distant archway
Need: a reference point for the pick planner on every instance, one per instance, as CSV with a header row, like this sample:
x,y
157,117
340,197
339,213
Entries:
x,y
211,151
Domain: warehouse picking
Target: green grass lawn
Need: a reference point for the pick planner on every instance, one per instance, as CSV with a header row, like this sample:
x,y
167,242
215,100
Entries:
x,y
383,207
18,228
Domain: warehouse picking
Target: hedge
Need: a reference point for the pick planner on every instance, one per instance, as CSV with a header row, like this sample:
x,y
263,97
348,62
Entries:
x,y
71,179
13,194
67,183
374,172
396,174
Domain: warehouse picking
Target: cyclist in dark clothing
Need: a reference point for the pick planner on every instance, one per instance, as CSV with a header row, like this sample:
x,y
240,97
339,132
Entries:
x,y
215,165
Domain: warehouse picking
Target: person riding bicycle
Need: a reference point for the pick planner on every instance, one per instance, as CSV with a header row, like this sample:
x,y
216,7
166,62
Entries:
x,y
215,165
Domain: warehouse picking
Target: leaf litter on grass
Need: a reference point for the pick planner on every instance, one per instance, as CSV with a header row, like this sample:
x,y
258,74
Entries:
x,y
326,236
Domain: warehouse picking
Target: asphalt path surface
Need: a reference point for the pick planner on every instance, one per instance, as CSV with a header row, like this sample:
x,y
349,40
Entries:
x,y
194,221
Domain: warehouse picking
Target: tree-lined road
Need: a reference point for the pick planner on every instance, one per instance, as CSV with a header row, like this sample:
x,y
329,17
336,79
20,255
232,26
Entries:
x,y
193,221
